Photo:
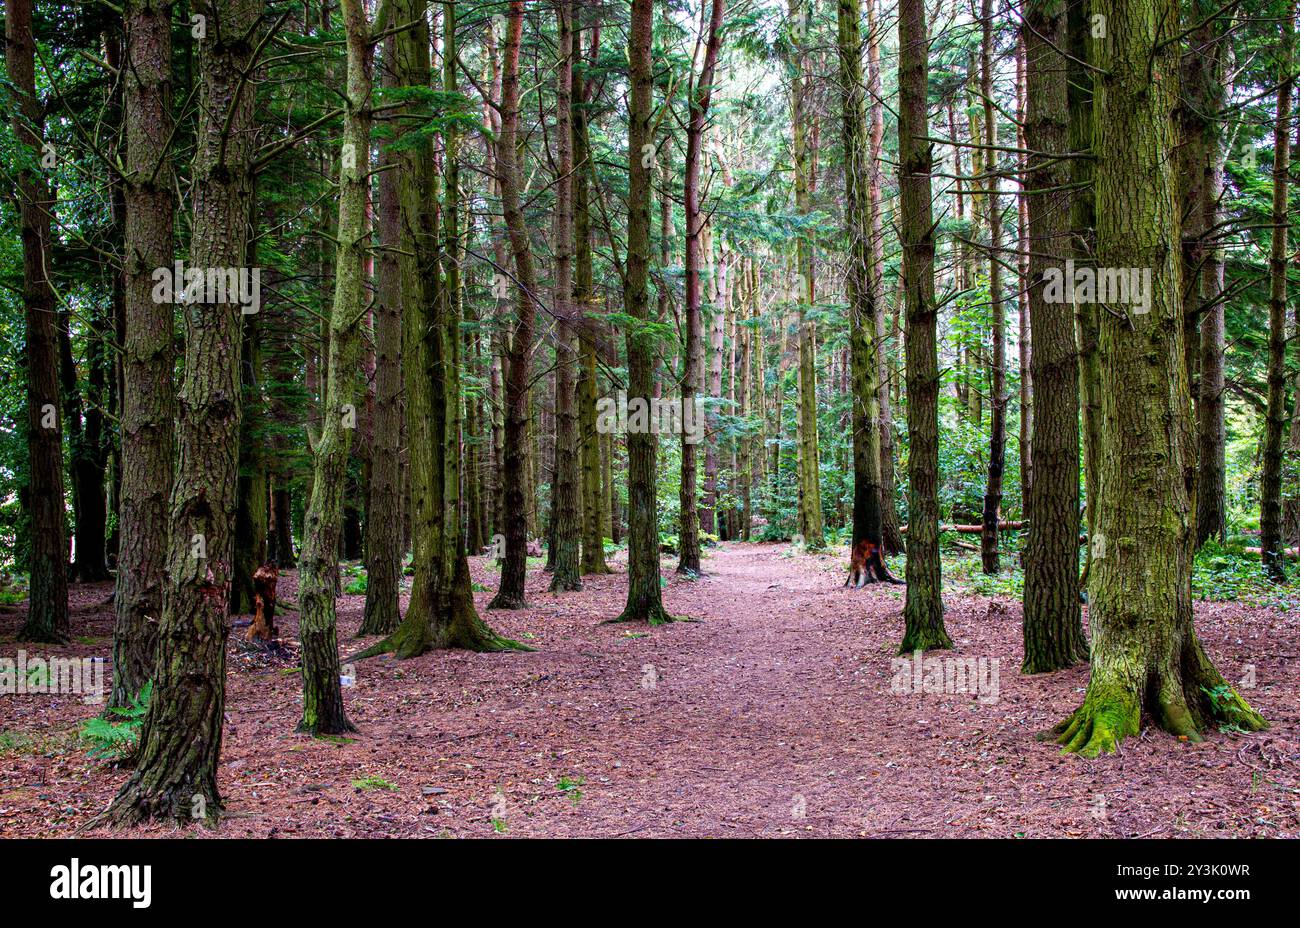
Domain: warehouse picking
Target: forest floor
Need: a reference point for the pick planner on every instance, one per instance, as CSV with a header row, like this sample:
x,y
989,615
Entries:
x,y
774,715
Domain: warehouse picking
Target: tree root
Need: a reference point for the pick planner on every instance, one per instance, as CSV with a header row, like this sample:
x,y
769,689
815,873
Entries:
x,y
1096,727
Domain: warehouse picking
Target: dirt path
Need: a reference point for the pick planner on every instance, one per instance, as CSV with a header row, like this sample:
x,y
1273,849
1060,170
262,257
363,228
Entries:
x,y
771,716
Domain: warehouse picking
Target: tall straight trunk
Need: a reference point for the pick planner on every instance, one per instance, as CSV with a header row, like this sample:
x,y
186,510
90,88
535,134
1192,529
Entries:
x,y
688,561
384,505
1211,478
811,525
1145,655
1022,300
176,767
1291,476
252,516
998,401
47,612
1271,542
567,502
147,353
441,612
322,703
510,594
644,593
923,609
710,520
1197,157
1079,94
892,536
864,353
1053,623
594,503
86,465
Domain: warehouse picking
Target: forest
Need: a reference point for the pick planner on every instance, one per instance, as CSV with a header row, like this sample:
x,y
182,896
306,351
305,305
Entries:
x,y
650,418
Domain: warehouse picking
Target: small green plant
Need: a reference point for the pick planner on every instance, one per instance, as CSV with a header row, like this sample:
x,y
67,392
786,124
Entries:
x,y
373,783
565,785
499,826
118,739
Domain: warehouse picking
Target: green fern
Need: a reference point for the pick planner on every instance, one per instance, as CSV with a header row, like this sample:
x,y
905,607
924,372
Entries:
x,y
118,739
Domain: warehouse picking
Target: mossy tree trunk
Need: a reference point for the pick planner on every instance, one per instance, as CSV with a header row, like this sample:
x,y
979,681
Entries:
x,y
1145,654
322,703
923,609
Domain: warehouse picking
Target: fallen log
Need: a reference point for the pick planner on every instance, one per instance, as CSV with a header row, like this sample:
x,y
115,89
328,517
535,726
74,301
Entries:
x,y
1289,552
975,529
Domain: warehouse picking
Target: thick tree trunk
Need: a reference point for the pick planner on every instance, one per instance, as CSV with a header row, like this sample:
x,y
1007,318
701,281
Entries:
x,y
47,612
175,773
923,610
1053,625
147,355
1145,655
644,593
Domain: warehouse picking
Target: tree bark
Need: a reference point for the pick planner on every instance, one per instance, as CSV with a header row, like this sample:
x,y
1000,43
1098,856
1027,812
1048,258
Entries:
x,y
923,609
1053,624
175,773
47,611
147,356
1145,655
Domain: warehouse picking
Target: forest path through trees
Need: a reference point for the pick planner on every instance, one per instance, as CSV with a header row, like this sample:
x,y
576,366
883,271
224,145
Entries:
x,y
771,716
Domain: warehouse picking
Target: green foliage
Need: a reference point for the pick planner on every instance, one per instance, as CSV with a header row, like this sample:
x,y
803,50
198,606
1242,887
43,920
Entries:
x,y
373,782
118,739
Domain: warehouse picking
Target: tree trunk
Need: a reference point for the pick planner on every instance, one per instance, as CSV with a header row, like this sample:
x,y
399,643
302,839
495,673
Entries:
x,y
47,612
1270,481
811,526
322,703
891,536
384,504
1145,655
510,594
998,402
594,505
252,516
1053,624
867,562
147,356
688,545
175,773
644,593
923,610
